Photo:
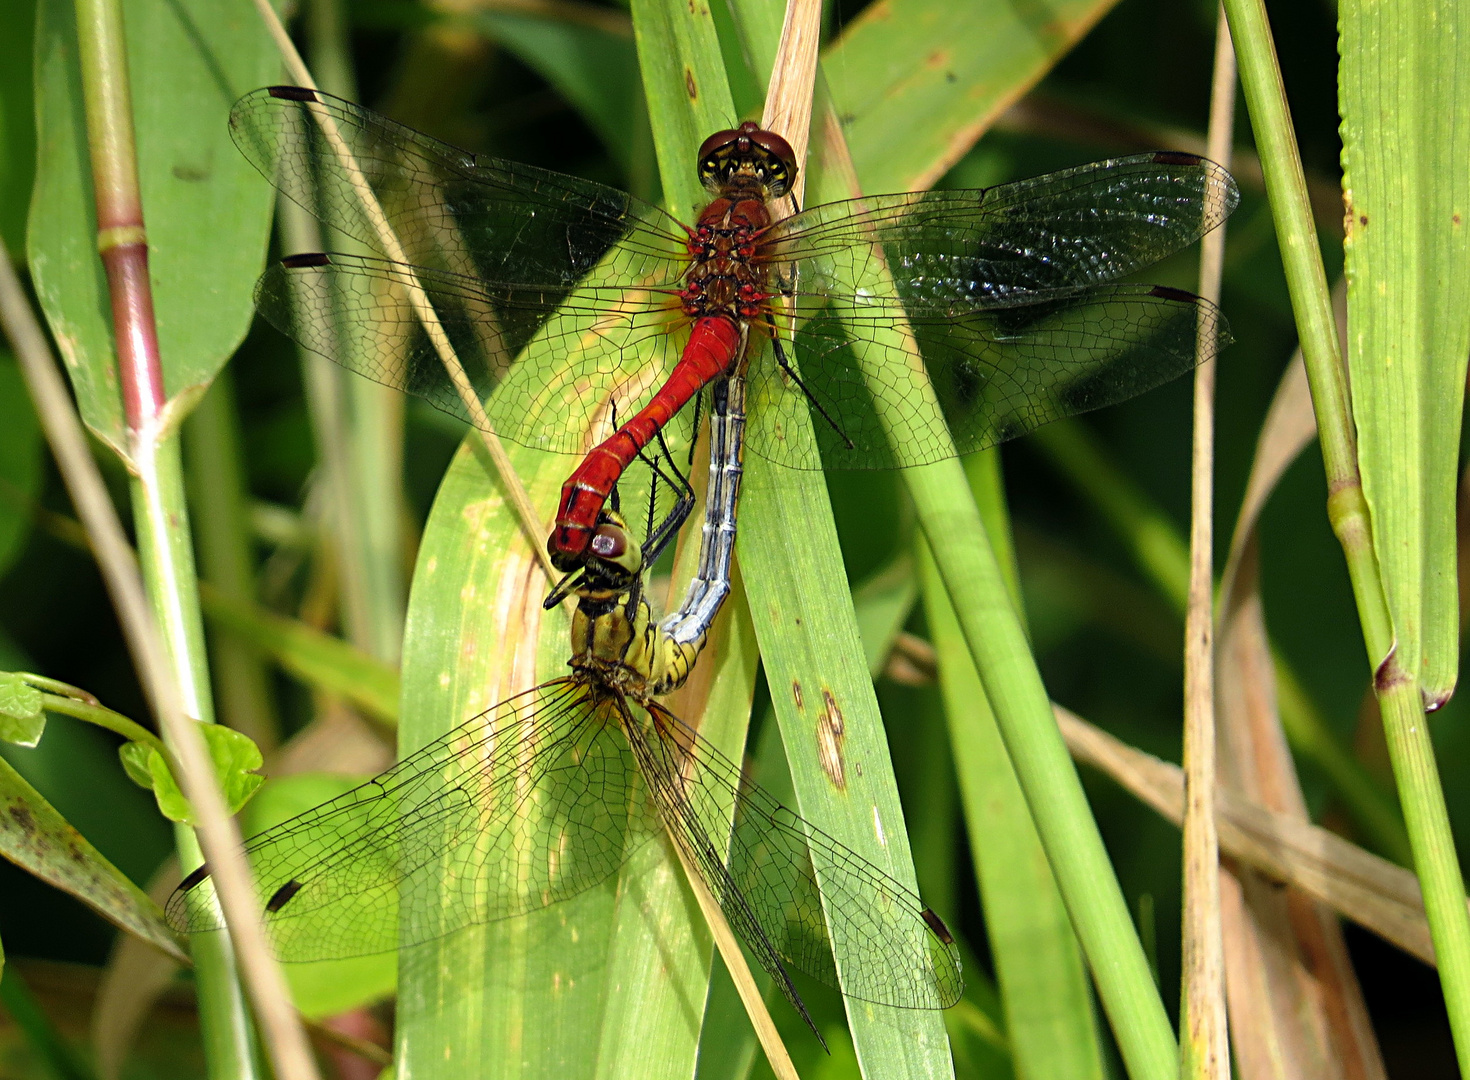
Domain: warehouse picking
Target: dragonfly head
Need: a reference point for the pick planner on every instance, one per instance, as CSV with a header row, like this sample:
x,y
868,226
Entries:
x,y
749,153
611,568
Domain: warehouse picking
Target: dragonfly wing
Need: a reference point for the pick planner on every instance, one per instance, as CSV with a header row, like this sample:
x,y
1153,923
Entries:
x,y
987,375
772,876
602,351
528,804
451,210
955,250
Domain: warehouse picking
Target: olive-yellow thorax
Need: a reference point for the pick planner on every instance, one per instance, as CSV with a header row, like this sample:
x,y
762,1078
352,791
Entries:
x,y
615,641
620,644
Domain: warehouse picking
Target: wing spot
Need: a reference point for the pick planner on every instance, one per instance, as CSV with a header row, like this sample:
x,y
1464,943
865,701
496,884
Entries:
x,y
937,925
282,896
195,879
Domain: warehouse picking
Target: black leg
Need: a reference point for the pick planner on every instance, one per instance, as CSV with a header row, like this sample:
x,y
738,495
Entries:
x,y
694,429
666,530
794,377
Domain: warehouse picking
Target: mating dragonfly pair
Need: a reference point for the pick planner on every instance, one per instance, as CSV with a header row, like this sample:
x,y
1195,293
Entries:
x,y
567,301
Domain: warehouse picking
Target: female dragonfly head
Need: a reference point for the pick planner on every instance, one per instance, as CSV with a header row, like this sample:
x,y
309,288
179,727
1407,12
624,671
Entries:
x,y
614,564
750,154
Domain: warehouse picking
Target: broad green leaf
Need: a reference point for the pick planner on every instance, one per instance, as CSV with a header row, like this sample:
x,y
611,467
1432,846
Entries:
x,y
207,212
610,982
235,760
596,985
916,82
1404,85
20,460
22,718
38,839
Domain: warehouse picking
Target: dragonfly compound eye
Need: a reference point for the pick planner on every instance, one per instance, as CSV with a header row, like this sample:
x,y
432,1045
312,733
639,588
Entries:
x,y
609,543
751,150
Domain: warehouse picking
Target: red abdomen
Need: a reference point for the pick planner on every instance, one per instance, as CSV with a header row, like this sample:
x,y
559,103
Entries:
x,y
714,343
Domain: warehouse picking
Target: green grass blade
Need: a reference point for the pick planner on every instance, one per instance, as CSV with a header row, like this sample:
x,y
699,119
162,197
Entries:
x,y
593,65
17,123
968,565
1396,677
975,579
218,495
998,646
1405,76
319,660
20,461
834,737
1158,549
1405,80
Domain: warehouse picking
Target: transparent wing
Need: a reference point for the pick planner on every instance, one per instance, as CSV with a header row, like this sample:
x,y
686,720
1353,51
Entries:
x,y
604,348
994,372
950,252
526,805
1007,292
770,880
451,210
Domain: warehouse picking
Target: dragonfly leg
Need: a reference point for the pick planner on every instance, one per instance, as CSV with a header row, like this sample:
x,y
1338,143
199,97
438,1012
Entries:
x,y
694,431
811,398
613,496
659,537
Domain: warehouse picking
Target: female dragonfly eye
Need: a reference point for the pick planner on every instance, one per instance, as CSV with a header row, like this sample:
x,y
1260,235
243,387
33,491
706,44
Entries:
x,y
609,542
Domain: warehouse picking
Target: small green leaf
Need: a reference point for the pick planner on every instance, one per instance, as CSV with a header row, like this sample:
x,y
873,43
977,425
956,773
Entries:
x,y
235,760
21,717
134,757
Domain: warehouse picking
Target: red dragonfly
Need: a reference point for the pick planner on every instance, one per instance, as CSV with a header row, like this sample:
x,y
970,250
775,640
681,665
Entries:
x,y
562,295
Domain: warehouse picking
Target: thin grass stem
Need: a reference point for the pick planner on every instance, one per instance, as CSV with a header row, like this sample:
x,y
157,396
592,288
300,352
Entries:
x,y
1204,1044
